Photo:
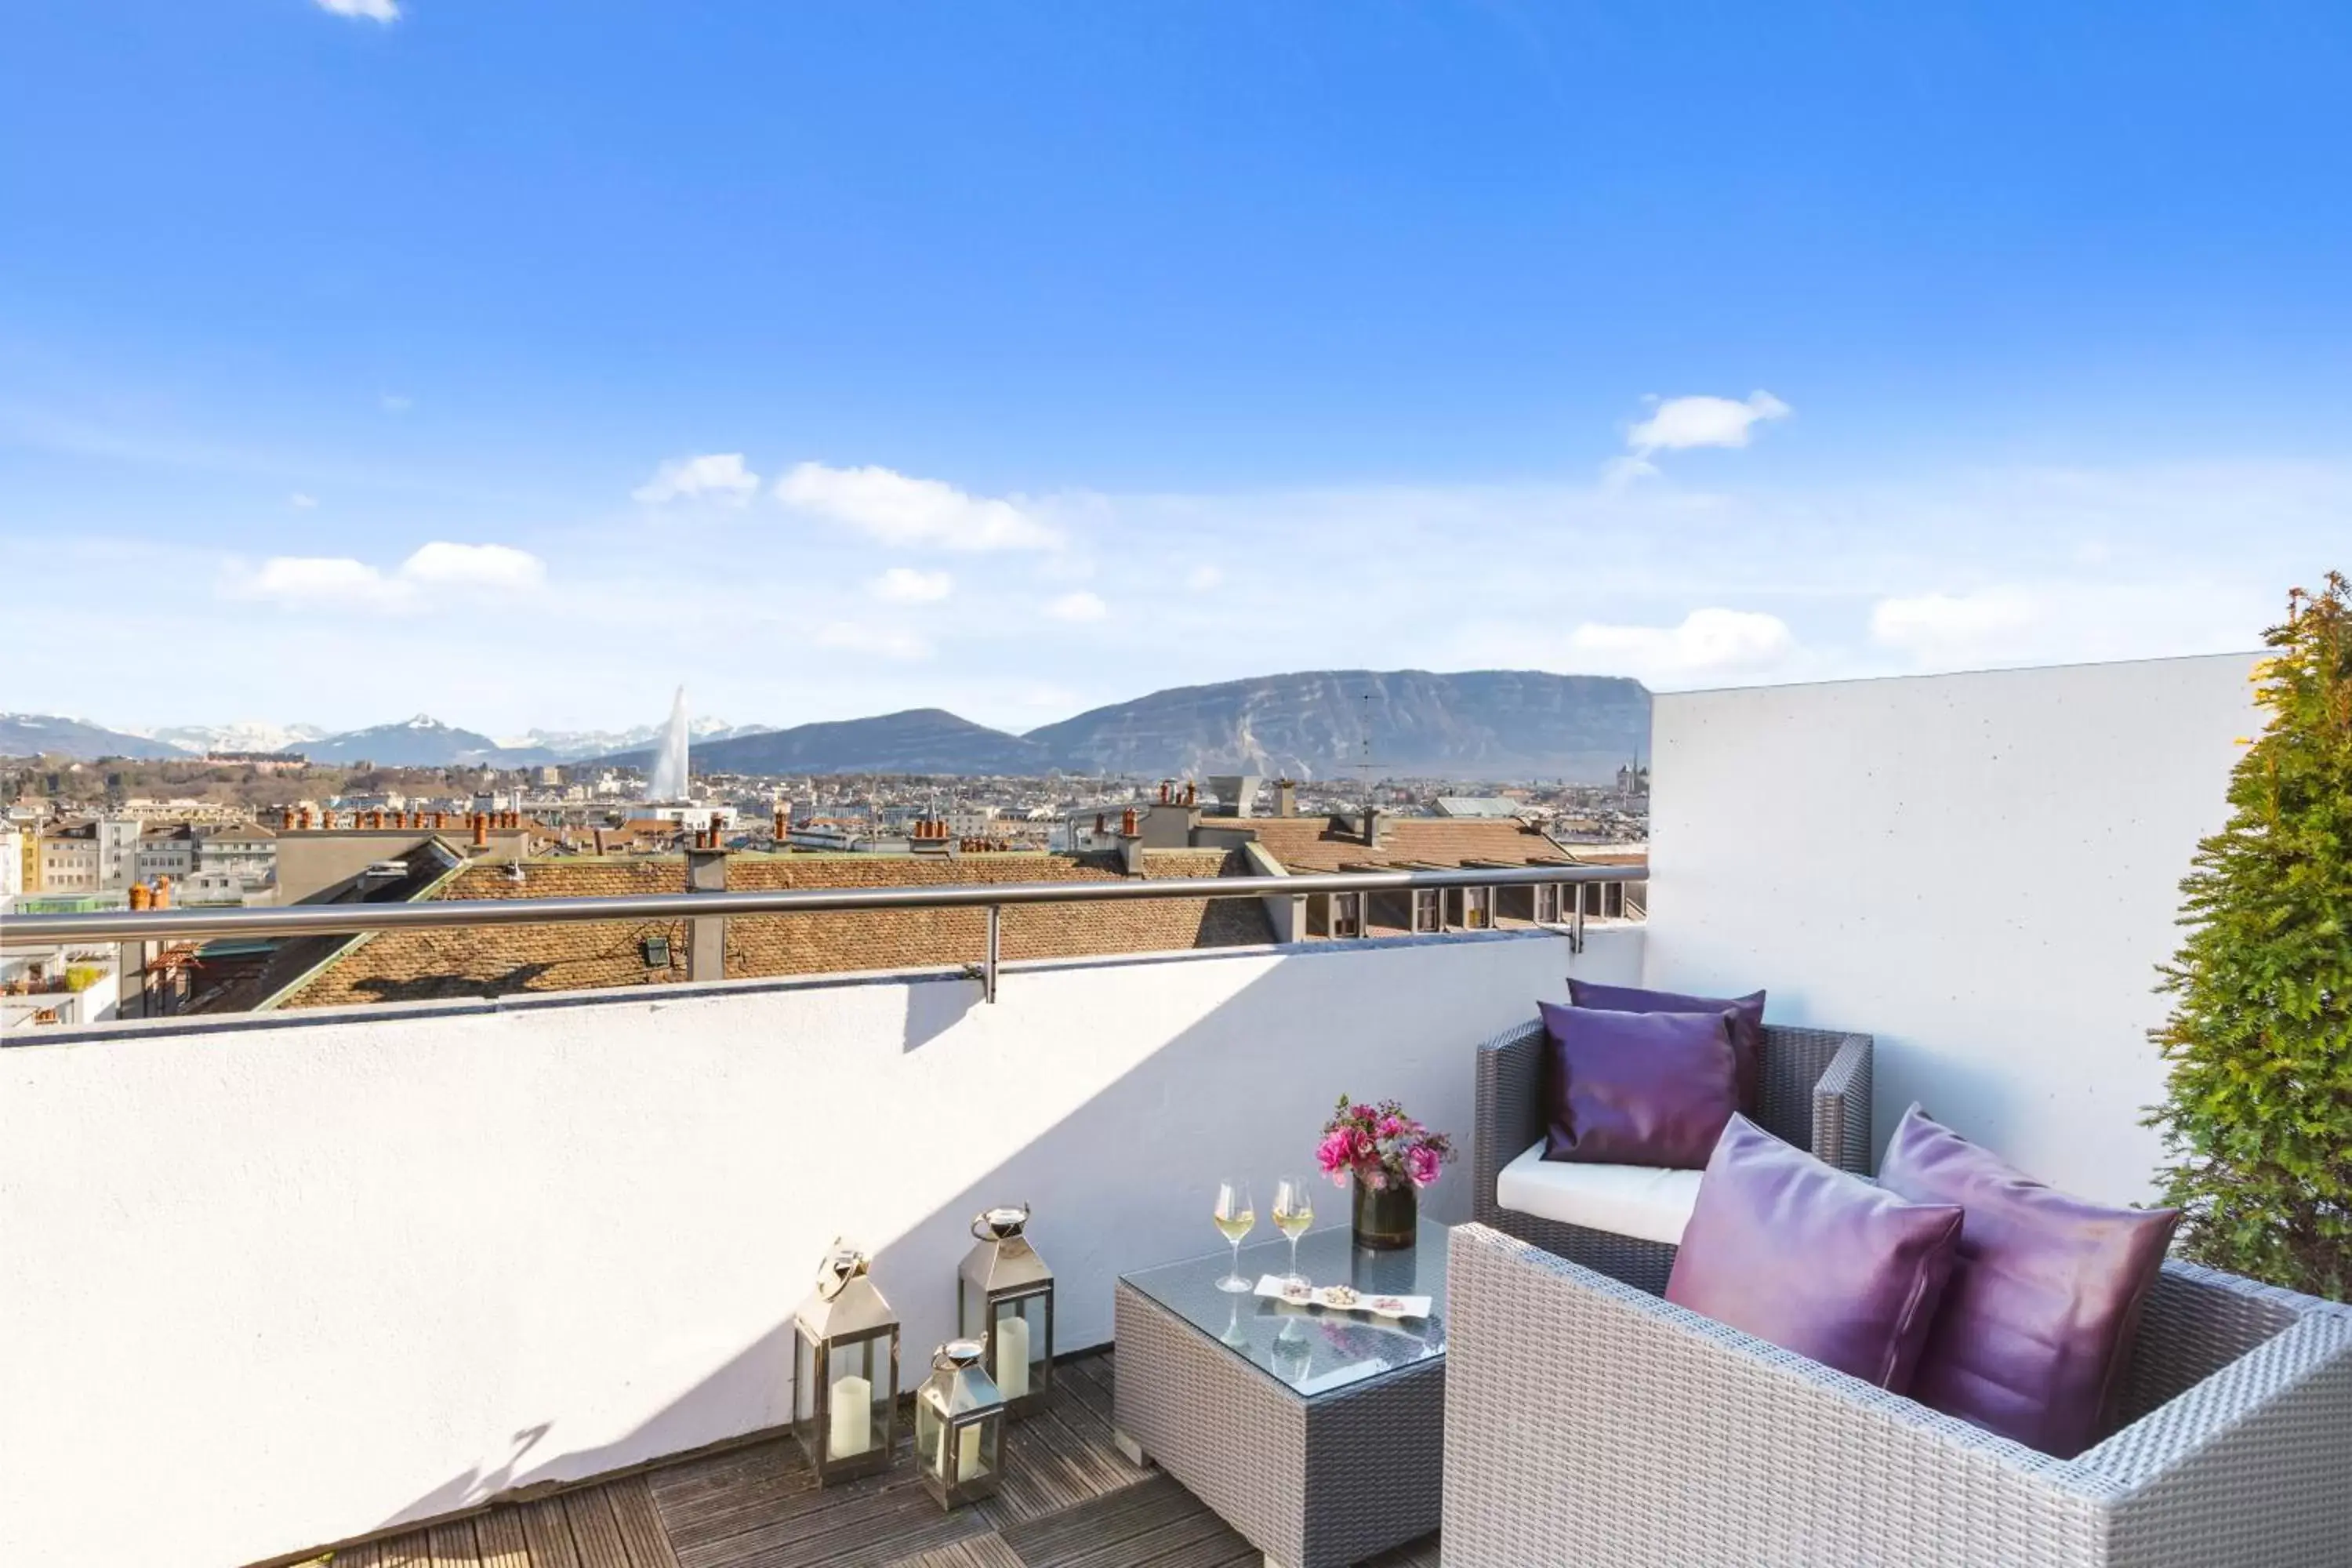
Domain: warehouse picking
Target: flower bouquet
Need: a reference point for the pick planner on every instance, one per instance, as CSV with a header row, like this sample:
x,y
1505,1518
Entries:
x,y
1391,1157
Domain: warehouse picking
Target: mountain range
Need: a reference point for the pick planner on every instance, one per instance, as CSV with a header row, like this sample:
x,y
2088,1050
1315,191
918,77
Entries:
x,y
1480,724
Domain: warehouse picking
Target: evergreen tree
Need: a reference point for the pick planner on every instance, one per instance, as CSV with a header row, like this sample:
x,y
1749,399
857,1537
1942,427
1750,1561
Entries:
x,y
2257,1120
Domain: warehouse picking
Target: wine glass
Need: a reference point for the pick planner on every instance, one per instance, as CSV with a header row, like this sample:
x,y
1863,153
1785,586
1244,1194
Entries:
x,y
1294,1211
1235,1214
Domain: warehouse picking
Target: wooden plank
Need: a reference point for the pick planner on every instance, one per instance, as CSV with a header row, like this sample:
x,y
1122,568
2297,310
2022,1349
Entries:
x,y
366,1554
402,1550
594,1532
498,1536
867,1524
547,1534
979,1551
707,1502
452,1545
1155,1522
640,1522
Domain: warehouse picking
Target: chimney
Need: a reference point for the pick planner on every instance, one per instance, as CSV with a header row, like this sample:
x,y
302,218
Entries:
x,y
305,819
440,820
141,898
1102,825
784,821
599,840
162,893
1130,842
482,831
1286,797
1372,826
1164,785
1192,793
706,935
286,820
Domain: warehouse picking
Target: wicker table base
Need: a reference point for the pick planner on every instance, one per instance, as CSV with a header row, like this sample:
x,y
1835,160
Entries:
x,y
1313,1481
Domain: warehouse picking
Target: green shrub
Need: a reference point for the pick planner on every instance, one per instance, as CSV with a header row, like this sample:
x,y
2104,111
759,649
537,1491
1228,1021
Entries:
x,y
80,977
2257,1120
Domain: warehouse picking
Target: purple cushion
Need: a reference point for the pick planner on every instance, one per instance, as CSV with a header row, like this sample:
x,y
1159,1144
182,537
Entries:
x,y
1816,1262
1636,1088
1746,1033
2037,1322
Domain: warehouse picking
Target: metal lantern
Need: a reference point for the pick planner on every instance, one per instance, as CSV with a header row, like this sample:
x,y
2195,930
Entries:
x,y
959,1426
845,1371
1005,1299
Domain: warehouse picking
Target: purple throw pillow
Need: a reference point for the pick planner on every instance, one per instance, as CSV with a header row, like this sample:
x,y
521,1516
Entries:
x,y
1746,1033
2037,1323
1795,1251
1636,1088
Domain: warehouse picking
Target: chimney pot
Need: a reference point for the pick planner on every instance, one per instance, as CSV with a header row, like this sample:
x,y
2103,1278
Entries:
x,y
140,897
482,831
162,893
1127,825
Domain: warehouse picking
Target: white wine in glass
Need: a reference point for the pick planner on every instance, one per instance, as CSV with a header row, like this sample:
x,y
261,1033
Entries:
x,y
1294,1211
1234,1214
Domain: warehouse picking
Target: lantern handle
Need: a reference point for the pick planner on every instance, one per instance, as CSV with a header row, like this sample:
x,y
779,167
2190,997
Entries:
x,y
991,1224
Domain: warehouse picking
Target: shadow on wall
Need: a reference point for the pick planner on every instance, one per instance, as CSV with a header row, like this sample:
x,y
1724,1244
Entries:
x,y
1156,1106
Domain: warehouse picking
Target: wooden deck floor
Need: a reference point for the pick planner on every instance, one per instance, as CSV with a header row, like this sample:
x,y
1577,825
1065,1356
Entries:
x,y
1069,1501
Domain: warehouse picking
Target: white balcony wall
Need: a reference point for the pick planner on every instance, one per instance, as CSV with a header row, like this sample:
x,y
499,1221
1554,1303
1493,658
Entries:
x,y
270,1287
1980,869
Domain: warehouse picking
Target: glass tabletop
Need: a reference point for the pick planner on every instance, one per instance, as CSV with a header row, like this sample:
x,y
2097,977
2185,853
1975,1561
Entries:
x,y
1313,1350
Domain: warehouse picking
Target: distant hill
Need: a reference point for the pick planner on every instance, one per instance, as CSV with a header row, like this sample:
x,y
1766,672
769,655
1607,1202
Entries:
x,y
34,734
423,741
919,740
1482,724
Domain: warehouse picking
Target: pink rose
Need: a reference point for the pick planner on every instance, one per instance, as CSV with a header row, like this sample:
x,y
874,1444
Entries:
x,y
1421,1163
1332,1152
1390,1126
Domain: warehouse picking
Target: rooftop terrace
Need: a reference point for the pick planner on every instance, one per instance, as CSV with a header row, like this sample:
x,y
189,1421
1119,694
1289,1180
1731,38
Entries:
x,y
510,1280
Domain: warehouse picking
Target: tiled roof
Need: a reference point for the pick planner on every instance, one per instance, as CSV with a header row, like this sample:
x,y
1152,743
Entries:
x,y
493,960
1314,844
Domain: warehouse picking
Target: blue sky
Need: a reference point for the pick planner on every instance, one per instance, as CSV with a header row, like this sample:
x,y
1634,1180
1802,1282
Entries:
x,y
516,361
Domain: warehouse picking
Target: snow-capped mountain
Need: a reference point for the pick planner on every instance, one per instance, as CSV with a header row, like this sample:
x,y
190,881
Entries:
x,y
565,744
250,735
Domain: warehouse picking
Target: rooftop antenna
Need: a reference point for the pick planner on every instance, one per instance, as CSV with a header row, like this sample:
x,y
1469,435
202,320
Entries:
x,y
1365,763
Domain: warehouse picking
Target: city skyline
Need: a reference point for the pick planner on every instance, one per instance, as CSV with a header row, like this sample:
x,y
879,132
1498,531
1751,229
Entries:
x,y
366,359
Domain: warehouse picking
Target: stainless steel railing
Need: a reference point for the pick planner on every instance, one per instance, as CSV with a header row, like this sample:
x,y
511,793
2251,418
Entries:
x,y
344,919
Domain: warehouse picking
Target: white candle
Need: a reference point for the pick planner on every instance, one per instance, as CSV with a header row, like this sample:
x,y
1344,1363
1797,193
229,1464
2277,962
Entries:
x,y
1013,1357
852,1417
968,1463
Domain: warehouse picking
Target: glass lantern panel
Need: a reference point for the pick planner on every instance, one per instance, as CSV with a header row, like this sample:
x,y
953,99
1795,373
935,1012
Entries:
x,y
986,1436
930,1432
804,1378
971,1310
1020,1346
857,1383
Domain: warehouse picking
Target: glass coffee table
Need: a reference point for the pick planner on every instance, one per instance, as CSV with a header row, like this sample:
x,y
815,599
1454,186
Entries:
x,y
1318,1434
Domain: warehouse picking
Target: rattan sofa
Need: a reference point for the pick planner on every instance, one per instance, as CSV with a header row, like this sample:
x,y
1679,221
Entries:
x,y
1589,1422
1814,1093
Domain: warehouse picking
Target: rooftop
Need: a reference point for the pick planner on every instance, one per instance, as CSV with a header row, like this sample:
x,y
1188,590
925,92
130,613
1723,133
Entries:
x,y
485,961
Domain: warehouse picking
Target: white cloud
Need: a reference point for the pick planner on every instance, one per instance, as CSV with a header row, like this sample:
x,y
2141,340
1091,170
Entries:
x,y
899,510
1943,626
372,10
1682,422
1200,579
436,571
905,585
395,403
501,567
1708,641
1081,606
301,502
715,475
883,642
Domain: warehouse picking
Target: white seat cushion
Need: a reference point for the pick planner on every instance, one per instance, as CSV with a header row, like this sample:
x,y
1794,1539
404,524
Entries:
x,y
1624,1200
